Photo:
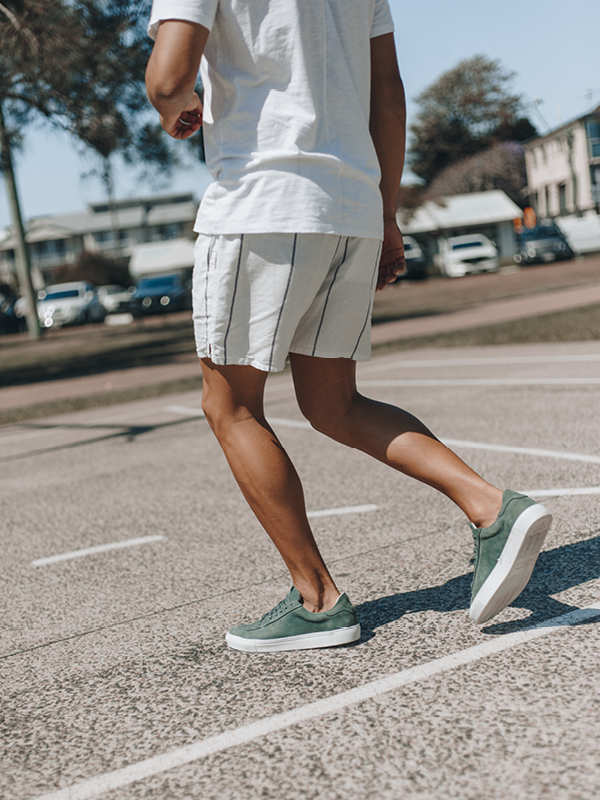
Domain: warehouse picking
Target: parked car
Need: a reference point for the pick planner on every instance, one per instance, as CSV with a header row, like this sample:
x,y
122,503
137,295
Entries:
x,y
161,293
416,261
460,255
544,243
69,304
10,320
115,298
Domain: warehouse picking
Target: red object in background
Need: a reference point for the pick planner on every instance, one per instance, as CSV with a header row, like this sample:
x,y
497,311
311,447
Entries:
x,y
518,225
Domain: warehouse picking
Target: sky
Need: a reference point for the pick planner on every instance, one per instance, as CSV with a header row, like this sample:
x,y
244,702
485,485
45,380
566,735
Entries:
x,y
553,46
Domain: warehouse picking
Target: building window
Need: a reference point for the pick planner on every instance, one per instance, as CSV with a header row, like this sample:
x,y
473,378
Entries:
x,y
51,251
562,198
595,180
593,136
164,232
547,198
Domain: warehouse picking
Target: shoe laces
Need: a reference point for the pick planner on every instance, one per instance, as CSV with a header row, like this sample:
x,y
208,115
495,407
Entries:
x,y
279,608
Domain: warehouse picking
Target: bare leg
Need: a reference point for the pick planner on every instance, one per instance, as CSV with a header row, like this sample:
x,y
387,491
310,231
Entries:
x,y
233,403
327,395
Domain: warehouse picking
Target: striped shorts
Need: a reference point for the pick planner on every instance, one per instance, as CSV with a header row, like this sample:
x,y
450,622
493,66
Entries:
x,y
259,296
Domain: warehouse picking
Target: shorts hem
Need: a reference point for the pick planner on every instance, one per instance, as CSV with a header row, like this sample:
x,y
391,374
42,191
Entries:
x,y
328,354
239,361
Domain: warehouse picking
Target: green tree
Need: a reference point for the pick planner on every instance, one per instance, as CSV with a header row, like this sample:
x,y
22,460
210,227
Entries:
x,y
467,110
499,167
80,65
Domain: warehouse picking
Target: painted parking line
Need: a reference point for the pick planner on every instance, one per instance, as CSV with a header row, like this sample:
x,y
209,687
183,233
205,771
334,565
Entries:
x,y
255,730
424,382
100,548
563,492
477,361
527,451
500,448
334,512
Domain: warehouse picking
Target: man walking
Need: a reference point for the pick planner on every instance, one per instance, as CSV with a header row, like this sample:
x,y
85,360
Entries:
x,y
304,126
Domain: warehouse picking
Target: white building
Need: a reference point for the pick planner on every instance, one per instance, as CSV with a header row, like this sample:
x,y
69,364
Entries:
x,y
58,239
563,168
490,213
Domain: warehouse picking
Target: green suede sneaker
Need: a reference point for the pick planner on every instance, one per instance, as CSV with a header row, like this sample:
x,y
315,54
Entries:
x,y
505,554
289,626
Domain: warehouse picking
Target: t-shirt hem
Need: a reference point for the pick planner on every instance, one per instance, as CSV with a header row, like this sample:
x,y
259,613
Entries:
x,y
381,29
335,230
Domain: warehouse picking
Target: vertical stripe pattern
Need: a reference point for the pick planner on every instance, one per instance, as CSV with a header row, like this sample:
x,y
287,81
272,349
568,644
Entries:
x,y
259,296
328,295
235,285
287,289
208,255
369,311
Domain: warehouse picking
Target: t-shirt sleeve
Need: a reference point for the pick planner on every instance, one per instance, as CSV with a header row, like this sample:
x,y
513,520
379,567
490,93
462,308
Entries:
x,y
200,11
382,19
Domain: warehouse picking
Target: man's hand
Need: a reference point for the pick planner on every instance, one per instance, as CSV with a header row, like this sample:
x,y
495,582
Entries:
x,y
392,262
187,122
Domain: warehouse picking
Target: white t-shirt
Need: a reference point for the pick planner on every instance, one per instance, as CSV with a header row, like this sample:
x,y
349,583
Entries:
x,y
286,114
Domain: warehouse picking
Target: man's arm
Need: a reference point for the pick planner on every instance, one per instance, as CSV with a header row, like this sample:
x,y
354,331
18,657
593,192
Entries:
x,y
388,129
172,73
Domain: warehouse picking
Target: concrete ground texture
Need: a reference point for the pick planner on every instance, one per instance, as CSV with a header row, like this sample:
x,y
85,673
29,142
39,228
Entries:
x,y
128,552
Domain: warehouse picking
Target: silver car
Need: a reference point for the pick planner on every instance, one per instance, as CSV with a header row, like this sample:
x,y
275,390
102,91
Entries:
x,y
69,304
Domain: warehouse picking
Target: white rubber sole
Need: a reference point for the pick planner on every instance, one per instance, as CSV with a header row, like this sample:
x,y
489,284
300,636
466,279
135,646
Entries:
x,y
305,641
515,565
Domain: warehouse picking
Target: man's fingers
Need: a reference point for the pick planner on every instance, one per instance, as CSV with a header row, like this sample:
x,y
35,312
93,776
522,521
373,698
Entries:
x,y
182,126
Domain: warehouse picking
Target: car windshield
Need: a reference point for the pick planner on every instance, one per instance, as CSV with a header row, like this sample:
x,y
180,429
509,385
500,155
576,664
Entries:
x,y
541,232
61,294
464,245
164,282
114,289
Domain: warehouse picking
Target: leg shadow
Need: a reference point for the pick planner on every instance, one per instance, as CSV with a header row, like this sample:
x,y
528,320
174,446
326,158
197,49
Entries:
x,y
556,570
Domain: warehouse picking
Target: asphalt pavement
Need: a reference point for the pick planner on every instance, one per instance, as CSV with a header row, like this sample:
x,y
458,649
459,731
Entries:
x,y
129,552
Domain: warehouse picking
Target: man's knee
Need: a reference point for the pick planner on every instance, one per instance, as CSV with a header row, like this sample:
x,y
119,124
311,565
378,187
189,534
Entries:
x,y
222,415
329,420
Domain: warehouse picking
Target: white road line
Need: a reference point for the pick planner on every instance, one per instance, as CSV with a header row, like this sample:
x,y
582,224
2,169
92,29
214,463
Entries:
x,y
563,492
481,361
527,451
100,548
482,382
333,512
256,730
185,411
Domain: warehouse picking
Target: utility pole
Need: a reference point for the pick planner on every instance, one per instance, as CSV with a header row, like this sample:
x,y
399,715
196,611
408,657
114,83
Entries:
x,y
21,251
570,148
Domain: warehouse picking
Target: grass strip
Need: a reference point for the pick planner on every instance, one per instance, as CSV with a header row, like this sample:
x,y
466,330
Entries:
x,y
572,325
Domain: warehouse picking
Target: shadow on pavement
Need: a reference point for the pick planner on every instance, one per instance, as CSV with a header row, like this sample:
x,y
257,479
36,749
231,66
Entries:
x,y
119,431
556,570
